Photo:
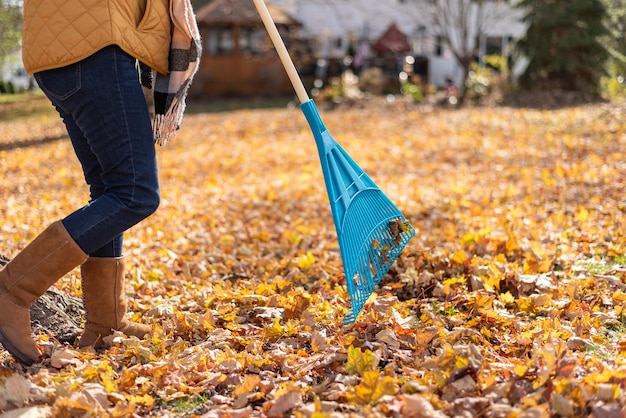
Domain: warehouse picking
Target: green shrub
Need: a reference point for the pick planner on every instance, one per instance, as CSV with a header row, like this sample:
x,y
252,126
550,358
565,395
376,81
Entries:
x,y
10,88
490,81
412,90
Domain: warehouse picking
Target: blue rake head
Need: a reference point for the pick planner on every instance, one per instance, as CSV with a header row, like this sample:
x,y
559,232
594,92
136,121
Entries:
x,y
371,230
374,233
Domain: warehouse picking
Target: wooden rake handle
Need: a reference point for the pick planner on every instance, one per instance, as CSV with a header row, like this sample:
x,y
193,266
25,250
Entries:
x,y
283,54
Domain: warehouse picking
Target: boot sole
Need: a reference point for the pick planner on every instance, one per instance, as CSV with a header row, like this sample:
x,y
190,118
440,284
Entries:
x,y
17,354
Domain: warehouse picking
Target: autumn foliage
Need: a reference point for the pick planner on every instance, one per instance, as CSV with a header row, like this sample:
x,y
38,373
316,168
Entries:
x,y
509,302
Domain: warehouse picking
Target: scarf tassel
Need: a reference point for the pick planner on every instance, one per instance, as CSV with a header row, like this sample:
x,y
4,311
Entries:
x,y
168,92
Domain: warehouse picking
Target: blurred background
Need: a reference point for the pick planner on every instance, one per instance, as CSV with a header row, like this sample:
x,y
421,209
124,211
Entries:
x,y
445,51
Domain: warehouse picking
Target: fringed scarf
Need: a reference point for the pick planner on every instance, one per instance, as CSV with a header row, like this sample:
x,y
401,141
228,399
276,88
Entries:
x,y
168,92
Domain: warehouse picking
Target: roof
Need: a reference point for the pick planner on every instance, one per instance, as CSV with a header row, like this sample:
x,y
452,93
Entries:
x,y
367,19
240,11
393,40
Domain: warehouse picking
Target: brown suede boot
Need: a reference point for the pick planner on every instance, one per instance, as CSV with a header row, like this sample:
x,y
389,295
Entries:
x,y
105,302
37,267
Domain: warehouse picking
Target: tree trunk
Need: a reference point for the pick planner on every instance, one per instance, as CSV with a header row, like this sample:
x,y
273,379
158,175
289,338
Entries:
x,y
56,313
466,64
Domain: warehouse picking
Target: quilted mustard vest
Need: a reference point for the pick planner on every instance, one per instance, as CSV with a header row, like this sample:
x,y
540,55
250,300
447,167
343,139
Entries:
x,y
61,32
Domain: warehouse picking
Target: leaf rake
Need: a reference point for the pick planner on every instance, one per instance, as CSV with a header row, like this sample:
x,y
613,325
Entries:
x,y
371,230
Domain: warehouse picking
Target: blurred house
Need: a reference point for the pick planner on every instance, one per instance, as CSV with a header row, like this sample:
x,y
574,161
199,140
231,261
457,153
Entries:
x,y
12,71
238,58
359,28
326,37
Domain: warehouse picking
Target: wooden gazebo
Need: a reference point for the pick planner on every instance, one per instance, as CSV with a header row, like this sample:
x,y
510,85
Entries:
x,y
238,58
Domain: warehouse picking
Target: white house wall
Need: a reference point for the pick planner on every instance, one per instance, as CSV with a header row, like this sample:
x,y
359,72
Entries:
x,y
333,20
12,70
444,68
335,23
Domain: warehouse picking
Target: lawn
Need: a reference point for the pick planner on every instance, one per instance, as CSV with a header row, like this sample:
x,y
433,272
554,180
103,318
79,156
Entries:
x,y
509,302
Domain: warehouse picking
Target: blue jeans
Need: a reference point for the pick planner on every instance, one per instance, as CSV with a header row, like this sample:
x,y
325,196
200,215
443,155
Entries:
x,y
104,110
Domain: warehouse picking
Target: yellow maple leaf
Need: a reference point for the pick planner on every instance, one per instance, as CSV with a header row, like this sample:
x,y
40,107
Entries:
x,y
64,405
123,410
360,361
548,358
306,261
582,215
520,370
459,257
483,300
492,282
507,298
460,362
90,372
274,331
245,391
105,373
250,382
454,280
271,195
373,386
143,400
469,238
108,383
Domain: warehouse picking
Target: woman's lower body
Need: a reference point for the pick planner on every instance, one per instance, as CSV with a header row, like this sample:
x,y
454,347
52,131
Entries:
x,y
103,107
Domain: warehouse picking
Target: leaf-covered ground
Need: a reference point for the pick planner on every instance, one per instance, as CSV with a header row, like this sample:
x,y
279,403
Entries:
x,y
509,302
